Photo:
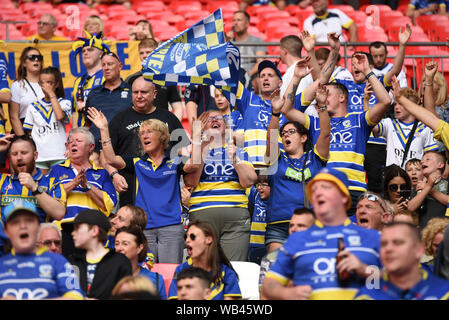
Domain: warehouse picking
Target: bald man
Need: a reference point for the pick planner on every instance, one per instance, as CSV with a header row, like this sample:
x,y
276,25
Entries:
x,y
124,128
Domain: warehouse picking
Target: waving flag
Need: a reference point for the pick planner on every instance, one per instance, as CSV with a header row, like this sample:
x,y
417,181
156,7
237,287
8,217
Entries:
x,y
198,55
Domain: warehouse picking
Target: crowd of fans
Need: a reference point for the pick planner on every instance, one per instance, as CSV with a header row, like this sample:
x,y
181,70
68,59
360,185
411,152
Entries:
x,y
321,175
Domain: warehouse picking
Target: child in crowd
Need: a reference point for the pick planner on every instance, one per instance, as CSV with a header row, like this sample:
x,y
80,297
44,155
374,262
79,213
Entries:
x,y
432,197
46,119
414,170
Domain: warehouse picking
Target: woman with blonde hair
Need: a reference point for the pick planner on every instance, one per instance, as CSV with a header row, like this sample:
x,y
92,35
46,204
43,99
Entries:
x,y
157,191
136,287
432,235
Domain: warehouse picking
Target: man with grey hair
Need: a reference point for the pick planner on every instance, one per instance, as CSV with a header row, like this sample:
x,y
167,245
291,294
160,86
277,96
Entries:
x,y
50,236
46,28
86,186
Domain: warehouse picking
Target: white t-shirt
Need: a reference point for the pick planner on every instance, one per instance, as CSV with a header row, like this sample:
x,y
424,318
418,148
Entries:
x,y
287,77
22,94
387,67
334,20
47,132
396,133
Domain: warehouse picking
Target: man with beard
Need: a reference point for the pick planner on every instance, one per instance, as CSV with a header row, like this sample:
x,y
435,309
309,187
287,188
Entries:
x,y
27,182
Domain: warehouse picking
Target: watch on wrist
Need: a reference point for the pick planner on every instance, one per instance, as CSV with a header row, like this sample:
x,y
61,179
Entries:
x,y
323,108
88,186
39,190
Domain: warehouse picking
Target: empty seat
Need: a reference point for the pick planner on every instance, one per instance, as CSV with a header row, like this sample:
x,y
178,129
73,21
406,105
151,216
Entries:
x,y
248,274
166,270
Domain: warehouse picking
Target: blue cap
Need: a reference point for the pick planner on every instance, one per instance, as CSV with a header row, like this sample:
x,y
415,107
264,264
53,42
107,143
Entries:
x,y
19,206
338,177
268,64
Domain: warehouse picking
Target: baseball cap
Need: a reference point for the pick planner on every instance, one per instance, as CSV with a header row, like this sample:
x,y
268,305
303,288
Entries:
x,y
93,218
268,64
19,206
338,177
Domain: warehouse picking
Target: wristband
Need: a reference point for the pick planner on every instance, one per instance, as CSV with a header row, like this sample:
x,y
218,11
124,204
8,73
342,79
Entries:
x,y
276,114
369,75
113,174
106,141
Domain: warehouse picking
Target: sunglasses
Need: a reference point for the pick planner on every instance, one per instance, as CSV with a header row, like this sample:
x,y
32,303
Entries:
x,y
396,187
111,54
373,197
191,236
289,132
48,243
37,57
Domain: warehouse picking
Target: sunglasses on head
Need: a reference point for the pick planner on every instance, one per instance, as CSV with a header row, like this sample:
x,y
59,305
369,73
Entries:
x,y
111,54
191,236
396,187
372,197
37,57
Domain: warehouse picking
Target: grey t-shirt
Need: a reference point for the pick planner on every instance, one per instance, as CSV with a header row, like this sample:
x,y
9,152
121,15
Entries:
x,y
247,63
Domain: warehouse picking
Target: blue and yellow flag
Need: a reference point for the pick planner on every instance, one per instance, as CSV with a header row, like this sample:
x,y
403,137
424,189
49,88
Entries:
x,y
198,55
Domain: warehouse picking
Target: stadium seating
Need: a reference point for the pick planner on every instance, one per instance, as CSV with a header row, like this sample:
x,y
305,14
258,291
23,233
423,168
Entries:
x,y
166,270
248,273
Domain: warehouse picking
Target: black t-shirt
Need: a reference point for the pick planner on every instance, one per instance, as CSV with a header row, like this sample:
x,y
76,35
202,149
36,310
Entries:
x,y
124,132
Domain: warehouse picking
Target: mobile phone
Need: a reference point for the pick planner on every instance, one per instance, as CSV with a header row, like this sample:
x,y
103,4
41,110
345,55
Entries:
x,y
405,194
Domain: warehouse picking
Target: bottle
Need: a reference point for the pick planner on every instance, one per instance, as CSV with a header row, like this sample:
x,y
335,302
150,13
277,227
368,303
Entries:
x,y
343,277
79,94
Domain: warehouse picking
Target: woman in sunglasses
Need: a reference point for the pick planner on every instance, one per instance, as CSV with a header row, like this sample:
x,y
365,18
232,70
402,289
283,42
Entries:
x,y
292,166
223,174
204,251
396,187
26,88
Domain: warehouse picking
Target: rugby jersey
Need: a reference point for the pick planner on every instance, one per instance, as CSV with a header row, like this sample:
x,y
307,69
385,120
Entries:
x,y
40,275
386,68
11,190
355,100
334,20
309,258
78,200
285,179
430,287
84,84
349,135
158,190
421,4
256,114
219,184
397,133
227,286
258,222
46,130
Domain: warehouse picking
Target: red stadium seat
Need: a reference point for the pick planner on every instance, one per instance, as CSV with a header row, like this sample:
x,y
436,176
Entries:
x,y
372,34
369,7
166,34
386,22
256,10
179,6
167,271
225,5
196,15
31,6
264,25
343,7
149,4
403,8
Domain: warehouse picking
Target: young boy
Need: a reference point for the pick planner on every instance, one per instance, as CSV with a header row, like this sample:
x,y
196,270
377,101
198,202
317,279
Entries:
x,y
99,268
432,196
397,132
413,168
258,201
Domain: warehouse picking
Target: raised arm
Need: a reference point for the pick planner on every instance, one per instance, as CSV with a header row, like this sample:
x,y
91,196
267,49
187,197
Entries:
x,y
272,150
323,142
376,113
404,36
287,109
420,113
308,43
99,120
429,73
